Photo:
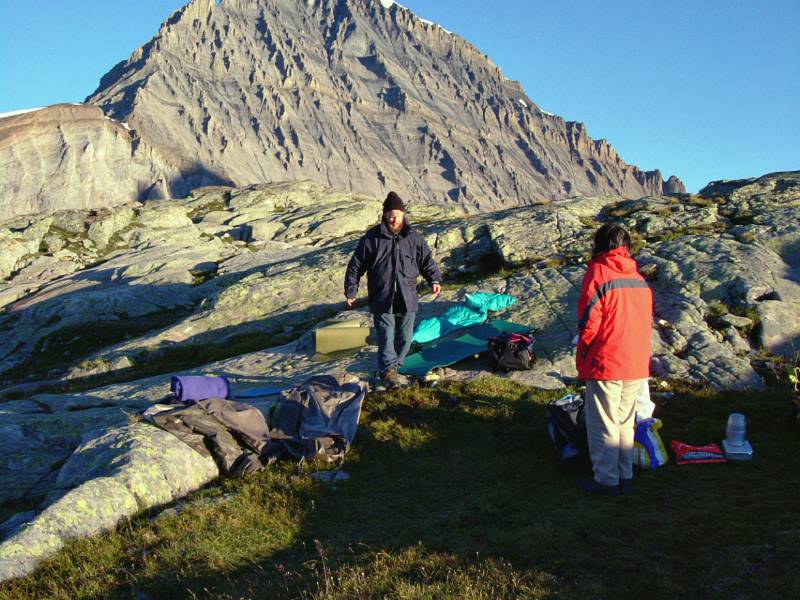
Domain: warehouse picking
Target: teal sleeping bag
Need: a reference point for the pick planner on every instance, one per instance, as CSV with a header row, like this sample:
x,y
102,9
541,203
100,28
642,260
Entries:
x,y
487,301
474,311
456,317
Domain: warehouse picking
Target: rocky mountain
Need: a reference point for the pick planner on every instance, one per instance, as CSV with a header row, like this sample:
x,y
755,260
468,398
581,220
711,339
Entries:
x,y
348,93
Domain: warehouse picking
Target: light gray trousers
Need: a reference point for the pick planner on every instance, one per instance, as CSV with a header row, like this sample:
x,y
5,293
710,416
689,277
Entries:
x,y
610,423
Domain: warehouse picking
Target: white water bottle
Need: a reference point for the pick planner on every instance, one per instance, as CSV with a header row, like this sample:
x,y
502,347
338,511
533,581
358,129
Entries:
x,y
735,443
736,432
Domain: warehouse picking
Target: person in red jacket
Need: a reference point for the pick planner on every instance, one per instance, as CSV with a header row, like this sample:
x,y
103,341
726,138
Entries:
x,y
615,316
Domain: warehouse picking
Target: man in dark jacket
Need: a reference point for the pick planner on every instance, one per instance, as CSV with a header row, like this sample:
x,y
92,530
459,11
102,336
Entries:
x,y
615,321
392,255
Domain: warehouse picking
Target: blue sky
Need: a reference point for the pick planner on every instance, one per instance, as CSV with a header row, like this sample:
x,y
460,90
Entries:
x,y
704,89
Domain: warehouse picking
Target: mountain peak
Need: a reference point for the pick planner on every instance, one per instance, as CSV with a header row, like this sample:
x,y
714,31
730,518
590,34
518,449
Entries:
x,y
359,95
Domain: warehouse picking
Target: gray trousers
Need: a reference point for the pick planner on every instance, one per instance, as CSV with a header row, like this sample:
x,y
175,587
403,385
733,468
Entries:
x,y
395,333
610,423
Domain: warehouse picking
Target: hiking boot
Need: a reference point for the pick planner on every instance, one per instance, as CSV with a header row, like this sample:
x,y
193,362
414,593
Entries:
x,y
391,378
626,486
590,486
376,382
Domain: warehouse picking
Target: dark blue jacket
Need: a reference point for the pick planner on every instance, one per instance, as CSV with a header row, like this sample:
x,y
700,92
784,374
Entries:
x,y
386,257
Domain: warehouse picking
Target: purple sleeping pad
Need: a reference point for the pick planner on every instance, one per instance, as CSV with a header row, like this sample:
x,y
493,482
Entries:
x,y
190,388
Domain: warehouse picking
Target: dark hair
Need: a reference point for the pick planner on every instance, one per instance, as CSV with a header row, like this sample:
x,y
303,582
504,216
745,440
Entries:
x,y
610,236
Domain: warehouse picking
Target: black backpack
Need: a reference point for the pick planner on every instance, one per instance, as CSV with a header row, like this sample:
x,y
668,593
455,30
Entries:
x,y
511,352
566,425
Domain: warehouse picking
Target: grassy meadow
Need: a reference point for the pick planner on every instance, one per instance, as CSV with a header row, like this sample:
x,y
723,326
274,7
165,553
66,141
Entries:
x,y
454,493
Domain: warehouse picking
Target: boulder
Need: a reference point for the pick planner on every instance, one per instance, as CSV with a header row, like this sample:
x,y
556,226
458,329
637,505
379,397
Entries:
x,y
780,327
70,221
263,230
736,321
526,235
101,231
110,476
33,443
11,251
154,280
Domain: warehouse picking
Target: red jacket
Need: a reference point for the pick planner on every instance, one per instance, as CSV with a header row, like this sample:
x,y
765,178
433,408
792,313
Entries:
x,y
615,319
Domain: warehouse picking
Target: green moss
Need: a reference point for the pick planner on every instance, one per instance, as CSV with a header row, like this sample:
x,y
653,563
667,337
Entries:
x,y
115,242
697,200
201,278
751,312
717,308
197,214
747,237
617,211
638,242
553,262
675,234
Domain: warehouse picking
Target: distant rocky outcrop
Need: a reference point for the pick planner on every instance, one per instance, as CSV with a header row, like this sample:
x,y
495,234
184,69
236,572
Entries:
x,y
347,93
74,157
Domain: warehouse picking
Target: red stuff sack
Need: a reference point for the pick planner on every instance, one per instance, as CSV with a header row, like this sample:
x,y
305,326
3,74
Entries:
x,y
690,455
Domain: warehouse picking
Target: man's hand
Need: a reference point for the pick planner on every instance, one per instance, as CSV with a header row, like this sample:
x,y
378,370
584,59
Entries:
x,y
437,289
350,302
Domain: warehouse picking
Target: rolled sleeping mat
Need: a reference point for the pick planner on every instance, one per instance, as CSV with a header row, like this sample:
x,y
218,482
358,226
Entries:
x,y
191,388
340,336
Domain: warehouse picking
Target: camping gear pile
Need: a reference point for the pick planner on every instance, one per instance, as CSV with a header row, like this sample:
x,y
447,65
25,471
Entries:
x,y
314,420
234,434
648,449
345,335
734,447
443,353
509,344
190,388
566,426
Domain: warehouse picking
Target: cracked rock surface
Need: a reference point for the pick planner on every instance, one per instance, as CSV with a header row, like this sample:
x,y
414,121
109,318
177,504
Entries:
x,y
726,287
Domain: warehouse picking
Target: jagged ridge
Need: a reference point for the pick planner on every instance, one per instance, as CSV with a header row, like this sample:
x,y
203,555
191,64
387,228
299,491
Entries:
x,y
357,96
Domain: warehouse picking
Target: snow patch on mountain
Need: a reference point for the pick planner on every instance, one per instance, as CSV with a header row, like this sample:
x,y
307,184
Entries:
x,y
390,3
19,112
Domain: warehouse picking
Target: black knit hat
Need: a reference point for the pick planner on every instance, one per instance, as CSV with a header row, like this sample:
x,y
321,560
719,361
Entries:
x,y
393,202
